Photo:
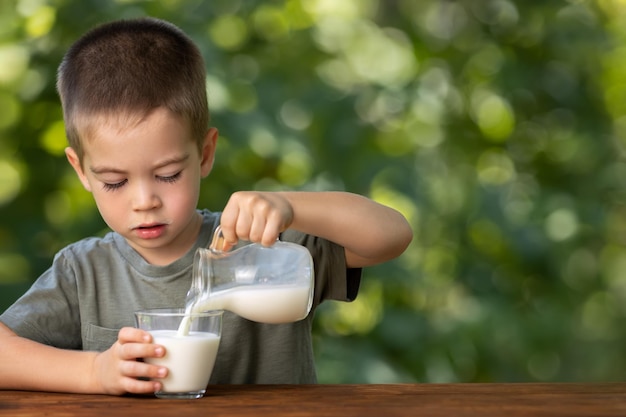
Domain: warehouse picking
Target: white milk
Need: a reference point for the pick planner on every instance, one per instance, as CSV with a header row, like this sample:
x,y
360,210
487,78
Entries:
x,y
273,304
190,359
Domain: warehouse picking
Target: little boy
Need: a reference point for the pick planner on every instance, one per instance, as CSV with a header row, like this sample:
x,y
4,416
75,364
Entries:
x,y
137,121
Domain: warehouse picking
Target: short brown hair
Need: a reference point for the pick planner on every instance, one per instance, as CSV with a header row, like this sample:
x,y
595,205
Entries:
x,y
132,66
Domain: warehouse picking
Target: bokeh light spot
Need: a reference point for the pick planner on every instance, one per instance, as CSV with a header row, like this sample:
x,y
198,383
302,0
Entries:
x,y
493,115
561,225
495,167
10,110
14,268
263,142
229,32
295,116
53,139
270,22
14,60
242,97
41,21
295,167
359,316
10,181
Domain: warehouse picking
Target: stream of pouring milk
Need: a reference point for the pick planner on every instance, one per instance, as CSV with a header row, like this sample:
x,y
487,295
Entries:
x,y
274,304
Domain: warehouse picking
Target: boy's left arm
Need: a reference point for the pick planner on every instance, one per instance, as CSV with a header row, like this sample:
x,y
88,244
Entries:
x,y
370,232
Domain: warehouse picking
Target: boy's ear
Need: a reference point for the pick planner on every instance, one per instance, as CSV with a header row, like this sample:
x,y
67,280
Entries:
x,y
75,163
208,152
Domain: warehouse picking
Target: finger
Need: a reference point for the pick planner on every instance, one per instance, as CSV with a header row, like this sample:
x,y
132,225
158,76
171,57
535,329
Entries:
x,y
137,386
228,221
242,228
272,230
257,229
131,351
133,335
140,369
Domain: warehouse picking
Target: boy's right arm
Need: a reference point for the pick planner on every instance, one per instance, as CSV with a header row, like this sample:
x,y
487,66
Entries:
x,y
28,365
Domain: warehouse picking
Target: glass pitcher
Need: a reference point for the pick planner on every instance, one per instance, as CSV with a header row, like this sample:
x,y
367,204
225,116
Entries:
x,y
263,284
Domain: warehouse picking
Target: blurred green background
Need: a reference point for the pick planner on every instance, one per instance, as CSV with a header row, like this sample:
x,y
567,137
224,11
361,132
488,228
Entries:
x,y
496,127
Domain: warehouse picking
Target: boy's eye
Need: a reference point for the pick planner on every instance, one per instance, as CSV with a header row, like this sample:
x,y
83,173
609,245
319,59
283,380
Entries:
x,y
171,178
117,185
114,186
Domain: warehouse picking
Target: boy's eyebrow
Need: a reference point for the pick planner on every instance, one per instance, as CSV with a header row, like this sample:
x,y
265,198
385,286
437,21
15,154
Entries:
x,y
174,160
165,162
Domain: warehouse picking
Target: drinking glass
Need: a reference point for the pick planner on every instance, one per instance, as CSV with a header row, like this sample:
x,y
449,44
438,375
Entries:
x,y
191,341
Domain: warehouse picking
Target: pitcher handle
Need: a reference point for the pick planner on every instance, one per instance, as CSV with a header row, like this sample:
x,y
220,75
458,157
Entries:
x,y
218,242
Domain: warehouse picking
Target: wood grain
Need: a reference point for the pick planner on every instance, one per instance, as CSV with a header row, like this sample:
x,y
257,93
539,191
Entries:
x,y
436,400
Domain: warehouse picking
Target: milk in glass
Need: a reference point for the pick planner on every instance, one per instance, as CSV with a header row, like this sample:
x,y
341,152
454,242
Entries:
x,y
189,359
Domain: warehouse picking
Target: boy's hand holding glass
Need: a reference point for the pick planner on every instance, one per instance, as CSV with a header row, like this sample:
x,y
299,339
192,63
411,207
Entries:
x,y
118,368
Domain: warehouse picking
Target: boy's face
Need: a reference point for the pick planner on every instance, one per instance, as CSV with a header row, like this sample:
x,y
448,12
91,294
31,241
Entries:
x,y
145,179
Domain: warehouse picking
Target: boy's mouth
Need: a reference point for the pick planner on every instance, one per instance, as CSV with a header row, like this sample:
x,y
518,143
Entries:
x,y
149,231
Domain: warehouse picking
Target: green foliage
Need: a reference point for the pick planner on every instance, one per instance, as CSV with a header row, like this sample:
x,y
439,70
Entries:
x,y
496,126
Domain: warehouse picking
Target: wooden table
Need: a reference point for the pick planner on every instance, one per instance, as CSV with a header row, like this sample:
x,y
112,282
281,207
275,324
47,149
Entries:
x,y
449,400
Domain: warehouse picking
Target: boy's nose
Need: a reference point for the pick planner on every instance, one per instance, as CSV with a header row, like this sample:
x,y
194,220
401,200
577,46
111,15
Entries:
x,y
145,198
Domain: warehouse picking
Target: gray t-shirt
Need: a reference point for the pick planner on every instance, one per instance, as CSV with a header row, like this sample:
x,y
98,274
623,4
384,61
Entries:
x,y
95,285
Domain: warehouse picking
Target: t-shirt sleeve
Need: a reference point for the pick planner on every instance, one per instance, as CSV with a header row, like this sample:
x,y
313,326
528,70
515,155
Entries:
x,y
333,280
47,312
